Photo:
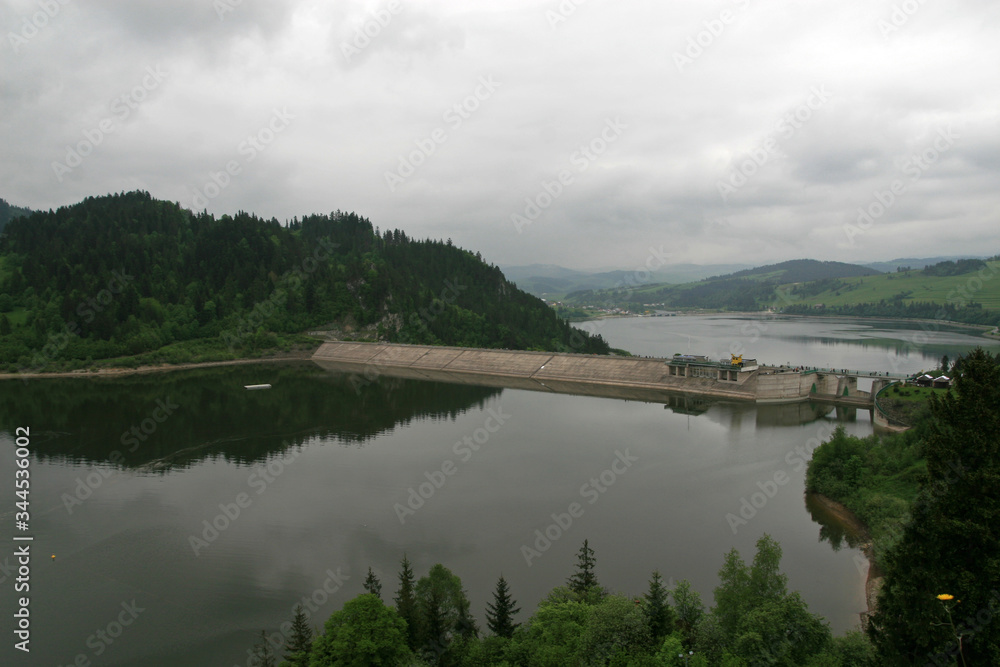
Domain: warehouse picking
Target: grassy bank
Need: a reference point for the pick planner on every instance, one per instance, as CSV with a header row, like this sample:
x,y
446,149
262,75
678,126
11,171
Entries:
x,y
876,478
907,404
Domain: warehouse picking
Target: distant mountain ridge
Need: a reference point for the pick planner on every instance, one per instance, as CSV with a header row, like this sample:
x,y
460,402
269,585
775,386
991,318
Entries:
x,y
550,279
804,270
916,263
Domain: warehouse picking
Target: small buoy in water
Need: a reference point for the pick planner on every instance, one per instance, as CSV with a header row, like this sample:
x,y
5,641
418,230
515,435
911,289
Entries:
x,y
53,556
256,386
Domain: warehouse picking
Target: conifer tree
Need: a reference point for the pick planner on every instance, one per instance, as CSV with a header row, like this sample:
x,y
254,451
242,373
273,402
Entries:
x,y
500,614
297,646
659,613
584,580
943,576
406,603
262,655
373,585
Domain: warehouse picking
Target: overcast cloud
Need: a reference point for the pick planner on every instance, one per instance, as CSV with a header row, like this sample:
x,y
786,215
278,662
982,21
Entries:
x,y
733,131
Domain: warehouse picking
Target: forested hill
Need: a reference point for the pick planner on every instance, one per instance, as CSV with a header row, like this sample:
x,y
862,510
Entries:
x,y
803,270
126,274
8,213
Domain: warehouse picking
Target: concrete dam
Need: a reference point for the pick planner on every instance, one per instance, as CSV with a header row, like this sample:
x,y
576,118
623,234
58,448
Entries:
x,y
638,378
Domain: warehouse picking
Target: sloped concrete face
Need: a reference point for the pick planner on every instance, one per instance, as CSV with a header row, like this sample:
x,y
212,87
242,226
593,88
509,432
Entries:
x,y
613,377
592,375
499,362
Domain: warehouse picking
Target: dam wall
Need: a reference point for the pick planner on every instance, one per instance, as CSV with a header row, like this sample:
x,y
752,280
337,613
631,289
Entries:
x,y
625,377
638,378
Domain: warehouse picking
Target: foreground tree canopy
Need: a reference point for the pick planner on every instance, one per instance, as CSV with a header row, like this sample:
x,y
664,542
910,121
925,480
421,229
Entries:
x,y
755,621
941,599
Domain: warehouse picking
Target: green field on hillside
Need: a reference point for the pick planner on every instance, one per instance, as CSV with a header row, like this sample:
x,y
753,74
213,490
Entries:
x,y
982,287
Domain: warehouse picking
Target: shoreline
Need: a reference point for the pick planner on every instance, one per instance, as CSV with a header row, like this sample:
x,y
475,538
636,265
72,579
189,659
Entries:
x,y
850,521
987,331
118,371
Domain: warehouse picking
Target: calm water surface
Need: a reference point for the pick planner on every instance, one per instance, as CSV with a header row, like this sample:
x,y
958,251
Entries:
x,y
322,471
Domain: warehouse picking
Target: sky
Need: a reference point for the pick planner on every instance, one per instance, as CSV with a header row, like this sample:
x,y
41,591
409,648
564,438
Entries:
x,y
583,133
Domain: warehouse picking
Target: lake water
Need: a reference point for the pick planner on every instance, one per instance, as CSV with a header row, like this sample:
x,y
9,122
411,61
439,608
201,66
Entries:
x,y
126,472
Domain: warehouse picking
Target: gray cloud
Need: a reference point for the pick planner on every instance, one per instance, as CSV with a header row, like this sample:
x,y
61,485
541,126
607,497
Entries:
x,y
700,91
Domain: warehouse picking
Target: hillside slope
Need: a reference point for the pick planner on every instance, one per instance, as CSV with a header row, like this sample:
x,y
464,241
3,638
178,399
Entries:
x,y
963,290
802,270
128,275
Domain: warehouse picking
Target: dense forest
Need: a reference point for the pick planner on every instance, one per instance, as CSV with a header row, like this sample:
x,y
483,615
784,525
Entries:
x,y
931,500
8,213
755,621
126,275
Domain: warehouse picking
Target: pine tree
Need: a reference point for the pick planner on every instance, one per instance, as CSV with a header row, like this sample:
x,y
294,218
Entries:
x,y
406,604
659,614
262,655
584,580
500,614
298,646
373,585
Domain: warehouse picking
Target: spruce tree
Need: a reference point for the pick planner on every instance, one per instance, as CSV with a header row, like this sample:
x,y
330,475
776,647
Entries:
x,y
373,585
262,655
659,613
406,603
951,545
500,614
297,646
584,580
